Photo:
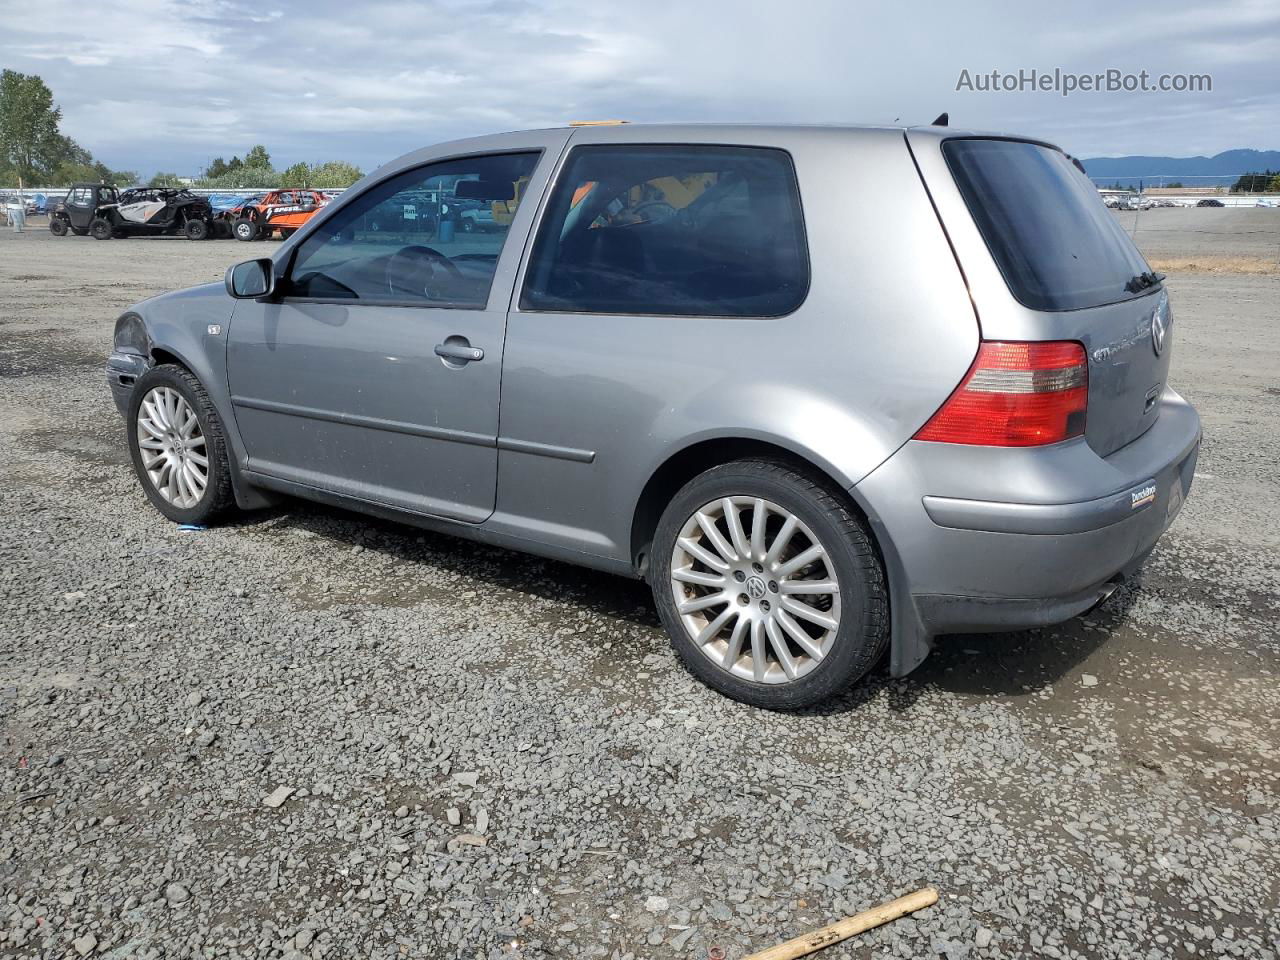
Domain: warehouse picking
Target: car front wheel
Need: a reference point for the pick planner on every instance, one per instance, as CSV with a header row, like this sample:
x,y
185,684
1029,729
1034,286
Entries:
x,y
769,585
177,445
100,229
58,227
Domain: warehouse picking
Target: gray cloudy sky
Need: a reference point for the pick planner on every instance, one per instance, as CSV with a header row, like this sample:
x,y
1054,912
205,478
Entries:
x,y
168,84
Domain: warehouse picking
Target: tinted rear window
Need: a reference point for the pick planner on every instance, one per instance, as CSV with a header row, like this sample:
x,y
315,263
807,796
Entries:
x,y
1056,244
671,230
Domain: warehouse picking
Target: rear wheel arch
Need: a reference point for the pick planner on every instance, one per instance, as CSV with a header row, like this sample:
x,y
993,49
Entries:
x,y
697,458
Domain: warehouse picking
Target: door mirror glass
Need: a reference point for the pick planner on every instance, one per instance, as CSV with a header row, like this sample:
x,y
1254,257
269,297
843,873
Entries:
x,y
251,279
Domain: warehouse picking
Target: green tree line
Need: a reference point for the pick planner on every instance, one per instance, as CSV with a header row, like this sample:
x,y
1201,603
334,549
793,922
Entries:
x,y
1266,182
256,171
34,150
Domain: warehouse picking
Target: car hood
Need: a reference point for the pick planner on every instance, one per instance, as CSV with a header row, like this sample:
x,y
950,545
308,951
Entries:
x,y
189,295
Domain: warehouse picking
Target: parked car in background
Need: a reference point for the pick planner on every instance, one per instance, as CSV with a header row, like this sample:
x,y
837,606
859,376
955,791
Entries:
x,y
29,205
1210,203
474,215
280,210
816,443
104,212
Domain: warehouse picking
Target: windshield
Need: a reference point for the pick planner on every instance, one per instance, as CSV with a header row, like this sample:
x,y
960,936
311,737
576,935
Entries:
x,y
1055,242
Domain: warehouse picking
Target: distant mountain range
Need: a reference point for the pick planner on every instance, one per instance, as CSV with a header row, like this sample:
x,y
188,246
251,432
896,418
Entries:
x,y
1220,169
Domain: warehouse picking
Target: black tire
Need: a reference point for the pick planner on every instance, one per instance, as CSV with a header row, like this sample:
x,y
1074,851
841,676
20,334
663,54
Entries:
x,y
862,636
245,229
287,232
196,230
58,227
468,225
222,229
218,497
101,229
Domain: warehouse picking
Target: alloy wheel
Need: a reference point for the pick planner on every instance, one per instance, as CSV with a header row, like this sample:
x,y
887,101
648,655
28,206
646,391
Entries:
x,y
755,589
172,445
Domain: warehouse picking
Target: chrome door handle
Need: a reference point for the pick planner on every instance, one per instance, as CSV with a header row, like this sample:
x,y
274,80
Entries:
x,y
458,352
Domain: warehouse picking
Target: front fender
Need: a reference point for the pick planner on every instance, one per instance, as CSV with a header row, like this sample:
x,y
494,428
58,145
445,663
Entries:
x,y
190,327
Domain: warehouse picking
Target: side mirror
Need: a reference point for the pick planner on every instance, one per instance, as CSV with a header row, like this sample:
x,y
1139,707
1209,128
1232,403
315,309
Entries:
x,y
252,279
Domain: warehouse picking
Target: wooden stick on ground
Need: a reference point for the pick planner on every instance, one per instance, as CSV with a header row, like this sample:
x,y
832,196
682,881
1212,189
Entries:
x,y
809,943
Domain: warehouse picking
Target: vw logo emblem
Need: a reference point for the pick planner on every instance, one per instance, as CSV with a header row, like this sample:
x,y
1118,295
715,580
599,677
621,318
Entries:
x,y
755,587
1158,329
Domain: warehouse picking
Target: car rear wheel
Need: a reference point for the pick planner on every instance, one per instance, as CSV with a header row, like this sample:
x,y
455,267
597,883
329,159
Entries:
x,y
196,230
769,585
245,229
100,229
177,445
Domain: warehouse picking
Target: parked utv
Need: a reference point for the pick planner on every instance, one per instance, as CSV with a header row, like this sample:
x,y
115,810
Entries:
x,y
104,212
284,210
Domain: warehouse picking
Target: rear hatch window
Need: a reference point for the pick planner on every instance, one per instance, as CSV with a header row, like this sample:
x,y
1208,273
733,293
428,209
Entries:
x,y
1055,243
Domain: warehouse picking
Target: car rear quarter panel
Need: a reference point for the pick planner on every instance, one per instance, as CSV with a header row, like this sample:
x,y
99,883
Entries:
x,y
886,332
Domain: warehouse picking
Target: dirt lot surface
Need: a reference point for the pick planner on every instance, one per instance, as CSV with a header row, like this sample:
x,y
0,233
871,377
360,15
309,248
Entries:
x,y
496,756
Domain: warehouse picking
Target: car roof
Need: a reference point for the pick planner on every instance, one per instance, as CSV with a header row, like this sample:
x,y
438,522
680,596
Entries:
x,y
728,133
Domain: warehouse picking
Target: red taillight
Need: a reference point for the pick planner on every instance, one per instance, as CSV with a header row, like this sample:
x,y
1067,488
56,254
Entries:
x,y
1016,395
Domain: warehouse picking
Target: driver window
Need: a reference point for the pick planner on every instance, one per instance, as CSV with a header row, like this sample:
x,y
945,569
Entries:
x,y
431,235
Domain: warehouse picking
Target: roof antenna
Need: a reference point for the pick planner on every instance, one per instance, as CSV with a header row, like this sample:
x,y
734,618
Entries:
x,y
941,121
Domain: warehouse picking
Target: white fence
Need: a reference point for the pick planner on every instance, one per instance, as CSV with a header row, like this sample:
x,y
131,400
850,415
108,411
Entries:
x,y
55,194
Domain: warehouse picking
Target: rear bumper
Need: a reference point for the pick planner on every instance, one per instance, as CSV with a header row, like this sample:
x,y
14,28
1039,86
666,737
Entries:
x,y
983,538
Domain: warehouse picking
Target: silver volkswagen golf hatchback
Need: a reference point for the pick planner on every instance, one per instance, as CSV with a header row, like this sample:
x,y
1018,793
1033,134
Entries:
x,y
831,390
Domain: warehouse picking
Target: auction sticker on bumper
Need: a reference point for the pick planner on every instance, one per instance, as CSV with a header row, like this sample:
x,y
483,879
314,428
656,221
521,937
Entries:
x,y
1143,495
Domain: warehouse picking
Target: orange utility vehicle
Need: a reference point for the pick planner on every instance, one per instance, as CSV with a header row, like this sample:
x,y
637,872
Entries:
x,y
285,210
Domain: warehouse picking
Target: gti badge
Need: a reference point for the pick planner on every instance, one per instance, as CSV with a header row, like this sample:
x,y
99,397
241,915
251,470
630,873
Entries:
x,y
1159,326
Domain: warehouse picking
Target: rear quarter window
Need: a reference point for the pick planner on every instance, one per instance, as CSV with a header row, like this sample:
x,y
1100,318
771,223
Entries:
x,y
1055,243
679,230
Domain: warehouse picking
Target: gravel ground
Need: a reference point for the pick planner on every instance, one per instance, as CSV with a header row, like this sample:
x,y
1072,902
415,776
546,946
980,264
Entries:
x,y
309,734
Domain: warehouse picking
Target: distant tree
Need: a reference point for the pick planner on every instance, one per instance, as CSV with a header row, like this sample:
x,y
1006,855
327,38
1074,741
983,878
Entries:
x,y
163,179
335,173
299,175
252,178
217,168
233,164
1176,185
1253,182
1274,185
258,157
30,144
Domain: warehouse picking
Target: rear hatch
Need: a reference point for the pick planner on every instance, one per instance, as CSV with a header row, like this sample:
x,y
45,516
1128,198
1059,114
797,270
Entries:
x,y
1063,255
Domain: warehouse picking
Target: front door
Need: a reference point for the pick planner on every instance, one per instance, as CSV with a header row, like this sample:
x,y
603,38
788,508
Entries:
x,y
375,372
81,202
